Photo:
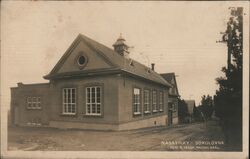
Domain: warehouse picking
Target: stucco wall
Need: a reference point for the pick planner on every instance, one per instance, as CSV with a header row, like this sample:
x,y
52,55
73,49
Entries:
x,y
19,101
109,96
117,105
126,85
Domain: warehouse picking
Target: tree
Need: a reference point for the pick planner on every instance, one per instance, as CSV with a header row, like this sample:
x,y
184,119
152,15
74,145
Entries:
x,y
228,99
182,110
207,106
198,115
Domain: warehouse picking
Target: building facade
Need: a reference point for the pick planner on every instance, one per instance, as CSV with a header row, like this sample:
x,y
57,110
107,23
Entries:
x,y
94,87
173,98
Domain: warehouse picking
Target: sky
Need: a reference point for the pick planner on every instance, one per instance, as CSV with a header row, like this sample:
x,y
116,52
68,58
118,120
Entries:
x,y
178,37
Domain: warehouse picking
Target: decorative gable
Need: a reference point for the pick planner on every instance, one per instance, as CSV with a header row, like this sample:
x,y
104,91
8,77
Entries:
x,y
170,77
173,90
83,58
80,57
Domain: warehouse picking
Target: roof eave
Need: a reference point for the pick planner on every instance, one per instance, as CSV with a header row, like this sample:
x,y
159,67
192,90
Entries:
x,y
81,74
141,77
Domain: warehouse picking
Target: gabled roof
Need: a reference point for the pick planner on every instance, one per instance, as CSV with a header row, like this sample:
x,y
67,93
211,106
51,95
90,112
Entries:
x,y
119,63
168,77
190,105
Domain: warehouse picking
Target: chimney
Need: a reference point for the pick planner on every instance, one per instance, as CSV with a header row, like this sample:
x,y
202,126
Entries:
x,y
153,66
19,84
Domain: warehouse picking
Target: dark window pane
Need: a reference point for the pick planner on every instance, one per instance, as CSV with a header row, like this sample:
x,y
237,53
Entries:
x,y
98,108
65,108
93,96
98,91
93,108
69,108
88,108
73,108
81,60
98,100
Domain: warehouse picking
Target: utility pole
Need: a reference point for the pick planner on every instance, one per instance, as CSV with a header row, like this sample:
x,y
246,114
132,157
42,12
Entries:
x,y
227,38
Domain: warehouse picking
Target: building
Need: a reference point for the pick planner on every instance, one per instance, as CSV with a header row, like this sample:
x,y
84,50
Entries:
x,y
173,98
94,87
190,106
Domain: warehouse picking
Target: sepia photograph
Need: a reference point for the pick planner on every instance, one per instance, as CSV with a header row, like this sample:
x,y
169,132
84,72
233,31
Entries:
x,y
124,79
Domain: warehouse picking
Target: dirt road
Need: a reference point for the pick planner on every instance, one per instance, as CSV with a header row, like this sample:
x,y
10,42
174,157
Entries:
x,y
187,137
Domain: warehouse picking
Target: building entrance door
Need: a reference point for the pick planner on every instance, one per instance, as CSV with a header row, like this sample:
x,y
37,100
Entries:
x,y
170,117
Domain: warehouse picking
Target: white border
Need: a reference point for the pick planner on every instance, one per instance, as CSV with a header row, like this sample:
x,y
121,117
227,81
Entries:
x,y
150,154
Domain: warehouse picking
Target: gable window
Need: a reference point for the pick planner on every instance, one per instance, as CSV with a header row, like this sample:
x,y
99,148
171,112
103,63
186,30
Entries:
x,y
81,60
136,101
154,104
93,100
34,103
160,101
146,101
69,101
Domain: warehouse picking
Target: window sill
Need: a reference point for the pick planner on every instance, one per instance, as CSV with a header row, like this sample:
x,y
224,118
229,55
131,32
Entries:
x,y
137,113
92,114
146,112
68,114
155,111
34,108
160,110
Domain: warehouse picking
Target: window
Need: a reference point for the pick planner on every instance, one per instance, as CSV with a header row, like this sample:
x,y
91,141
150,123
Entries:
x,y
160,101
93,100
81,60
172,106
34,103
136,101
154,101
146,101
69,101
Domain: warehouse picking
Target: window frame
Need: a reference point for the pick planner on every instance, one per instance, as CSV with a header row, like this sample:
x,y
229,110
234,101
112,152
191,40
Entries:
x,y
69,103
100,103
154,101
136,102
161,101
81,66
33,102
146,101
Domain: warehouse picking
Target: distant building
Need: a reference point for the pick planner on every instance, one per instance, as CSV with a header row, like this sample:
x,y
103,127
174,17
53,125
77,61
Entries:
x,y
190,106
173,98
95,87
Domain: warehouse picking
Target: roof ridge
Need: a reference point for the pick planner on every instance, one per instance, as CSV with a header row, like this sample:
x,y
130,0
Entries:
x,y
84,36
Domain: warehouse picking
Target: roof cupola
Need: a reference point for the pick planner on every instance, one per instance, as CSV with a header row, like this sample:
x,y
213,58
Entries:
x,y
121,47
